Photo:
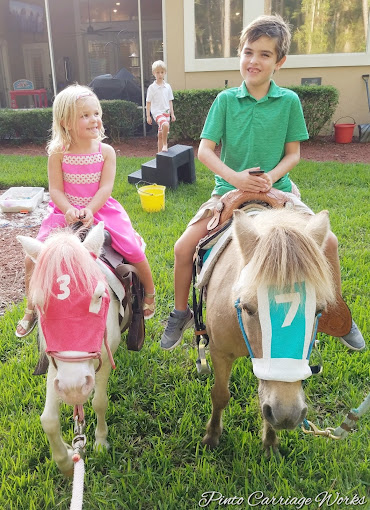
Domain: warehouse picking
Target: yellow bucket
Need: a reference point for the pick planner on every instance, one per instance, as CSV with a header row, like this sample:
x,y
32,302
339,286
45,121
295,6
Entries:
x,y
152,197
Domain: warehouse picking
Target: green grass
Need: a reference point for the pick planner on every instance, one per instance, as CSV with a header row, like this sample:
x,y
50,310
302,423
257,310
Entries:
x,y
159,407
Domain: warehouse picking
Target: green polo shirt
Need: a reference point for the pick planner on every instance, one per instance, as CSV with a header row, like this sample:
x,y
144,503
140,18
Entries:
x,y
254,133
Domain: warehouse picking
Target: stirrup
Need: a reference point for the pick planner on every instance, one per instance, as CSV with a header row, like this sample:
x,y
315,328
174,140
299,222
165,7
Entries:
x,y
202,363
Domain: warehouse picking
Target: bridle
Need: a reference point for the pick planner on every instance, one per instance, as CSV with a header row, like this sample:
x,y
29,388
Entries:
x,y
84,357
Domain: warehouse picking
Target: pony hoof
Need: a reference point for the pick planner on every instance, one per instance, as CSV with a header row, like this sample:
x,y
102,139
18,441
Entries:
x,y
210,442
68,473
272,451
101,446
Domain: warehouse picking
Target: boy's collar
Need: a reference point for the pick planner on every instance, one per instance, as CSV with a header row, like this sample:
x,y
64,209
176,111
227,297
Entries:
x,y
274,91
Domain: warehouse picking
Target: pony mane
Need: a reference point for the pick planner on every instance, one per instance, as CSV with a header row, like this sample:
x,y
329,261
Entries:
x,y
62,253
285,254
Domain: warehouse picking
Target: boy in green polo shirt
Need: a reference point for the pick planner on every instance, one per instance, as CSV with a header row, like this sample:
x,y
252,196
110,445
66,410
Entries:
x,y
260,126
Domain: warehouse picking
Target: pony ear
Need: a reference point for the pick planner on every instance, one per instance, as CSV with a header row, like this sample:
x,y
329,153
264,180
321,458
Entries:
x,y
245,234
318,227
95,239
31,246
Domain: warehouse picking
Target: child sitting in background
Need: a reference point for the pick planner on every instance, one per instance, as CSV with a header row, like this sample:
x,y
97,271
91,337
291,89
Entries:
x,y
81,171
159,102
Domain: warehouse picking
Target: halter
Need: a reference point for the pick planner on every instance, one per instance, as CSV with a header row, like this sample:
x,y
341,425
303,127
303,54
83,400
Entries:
x,y
85,357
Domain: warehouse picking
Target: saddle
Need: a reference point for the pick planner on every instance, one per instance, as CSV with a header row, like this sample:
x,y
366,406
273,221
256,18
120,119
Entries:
x,y
335,321
134,295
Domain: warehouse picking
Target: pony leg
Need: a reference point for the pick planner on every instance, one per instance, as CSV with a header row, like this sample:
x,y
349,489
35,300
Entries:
x,y
220,398
100,405
269,439
61,451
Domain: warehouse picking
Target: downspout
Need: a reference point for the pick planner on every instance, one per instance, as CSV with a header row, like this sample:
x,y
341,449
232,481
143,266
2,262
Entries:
x,y
141,68
51,51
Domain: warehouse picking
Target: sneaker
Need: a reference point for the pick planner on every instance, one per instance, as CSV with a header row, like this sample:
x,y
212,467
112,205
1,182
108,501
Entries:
x,y
175,329
354,339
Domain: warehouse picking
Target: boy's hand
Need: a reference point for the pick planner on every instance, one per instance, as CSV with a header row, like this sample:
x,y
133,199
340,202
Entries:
x,y
173,118
86,216
149,120
253,183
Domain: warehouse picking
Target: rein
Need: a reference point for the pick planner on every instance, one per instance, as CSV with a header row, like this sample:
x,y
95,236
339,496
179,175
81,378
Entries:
x,y
85,357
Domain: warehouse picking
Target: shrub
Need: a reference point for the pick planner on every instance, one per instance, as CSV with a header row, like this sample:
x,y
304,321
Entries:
x,y
25,125
318,103
191,108
121,119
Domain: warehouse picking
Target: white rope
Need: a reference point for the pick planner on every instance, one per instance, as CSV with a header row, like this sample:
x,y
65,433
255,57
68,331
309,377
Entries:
x,y
78,485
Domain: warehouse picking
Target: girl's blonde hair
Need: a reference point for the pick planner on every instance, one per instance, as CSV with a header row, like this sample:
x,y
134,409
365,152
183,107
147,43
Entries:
x,y
65,114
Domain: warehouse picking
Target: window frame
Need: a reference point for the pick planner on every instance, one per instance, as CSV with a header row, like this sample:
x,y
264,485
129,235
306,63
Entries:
x,y
252,9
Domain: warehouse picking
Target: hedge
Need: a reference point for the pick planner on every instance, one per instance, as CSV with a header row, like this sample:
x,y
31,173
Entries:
x,y
123,118
191,108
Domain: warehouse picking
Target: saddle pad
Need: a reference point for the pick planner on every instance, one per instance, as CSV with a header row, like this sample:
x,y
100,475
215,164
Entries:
x,y
216,251
114,284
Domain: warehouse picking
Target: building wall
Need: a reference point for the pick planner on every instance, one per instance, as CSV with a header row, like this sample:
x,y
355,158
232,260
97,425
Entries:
x,y
348,81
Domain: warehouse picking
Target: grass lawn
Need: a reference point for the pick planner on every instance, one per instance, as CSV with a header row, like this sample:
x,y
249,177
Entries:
x,y
159,407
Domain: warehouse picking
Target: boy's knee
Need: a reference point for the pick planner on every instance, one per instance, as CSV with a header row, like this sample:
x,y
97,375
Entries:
x,y
182,250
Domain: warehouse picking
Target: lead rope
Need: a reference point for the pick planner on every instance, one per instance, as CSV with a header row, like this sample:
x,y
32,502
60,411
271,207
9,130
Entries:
x,y
78,445
344,428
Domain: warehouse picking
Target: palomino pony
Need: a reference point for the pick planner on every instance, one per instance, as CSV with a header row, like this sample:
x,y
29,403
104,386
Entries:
x,y
76,312
266,291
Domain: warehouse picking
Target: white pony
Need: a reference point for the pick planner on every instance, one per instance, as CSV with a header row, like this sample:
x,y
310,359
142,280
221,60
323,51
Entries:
x,y
76,311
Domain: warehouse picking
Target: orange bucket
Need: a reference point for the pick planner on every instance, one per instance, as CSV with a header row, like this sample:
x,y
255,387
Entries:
x,y
343,133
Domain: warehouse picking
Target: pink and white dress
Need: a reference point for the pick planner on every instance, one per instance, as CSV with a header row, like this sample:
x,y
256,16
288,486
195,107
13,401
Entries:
x,y
81,177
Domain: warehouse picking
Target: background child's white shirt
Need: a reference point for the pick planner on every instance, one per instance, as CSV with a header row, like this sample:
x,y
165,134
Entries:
x,y
159,96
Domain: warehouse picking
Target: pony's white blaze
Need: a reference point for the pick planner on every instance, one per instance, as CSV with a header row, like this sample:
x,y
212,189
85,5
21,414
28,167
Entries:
x,y
74,382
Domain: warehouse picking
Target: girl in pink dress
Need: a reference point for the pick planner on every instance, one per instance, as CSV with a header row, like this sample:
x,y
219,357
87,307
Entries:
x,y
81,171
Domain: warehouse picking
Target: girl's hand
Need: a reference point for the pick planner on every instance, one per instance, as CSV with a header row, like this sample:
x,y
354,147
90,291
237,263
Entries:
x,y
72,215
149,120
86,216
253,183
173,118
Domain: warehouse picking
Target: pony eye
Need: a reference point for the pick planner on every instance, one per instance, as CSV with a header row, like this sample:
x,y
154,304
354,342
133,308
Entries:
x,y
249,310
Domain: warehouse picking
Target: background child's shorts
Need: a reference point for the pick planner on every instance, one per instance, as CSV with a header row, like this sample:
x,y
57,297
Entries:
x,y
207,209
161,119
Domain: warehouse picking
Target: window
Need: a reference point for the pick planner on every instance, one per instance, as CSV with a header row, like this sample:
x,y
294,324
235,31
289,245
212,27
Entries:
x,y
217,28
325,33
325,26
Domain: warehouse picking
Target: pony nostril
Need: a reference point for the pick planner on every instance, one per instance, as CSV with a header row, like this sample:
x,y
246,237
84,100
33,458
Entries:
x,y
267,413
89,384
303,414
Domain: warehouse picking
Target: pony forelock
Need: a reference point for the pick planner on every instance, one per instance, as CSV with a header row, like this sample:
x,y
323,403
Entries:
x,y
285,254
62,252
